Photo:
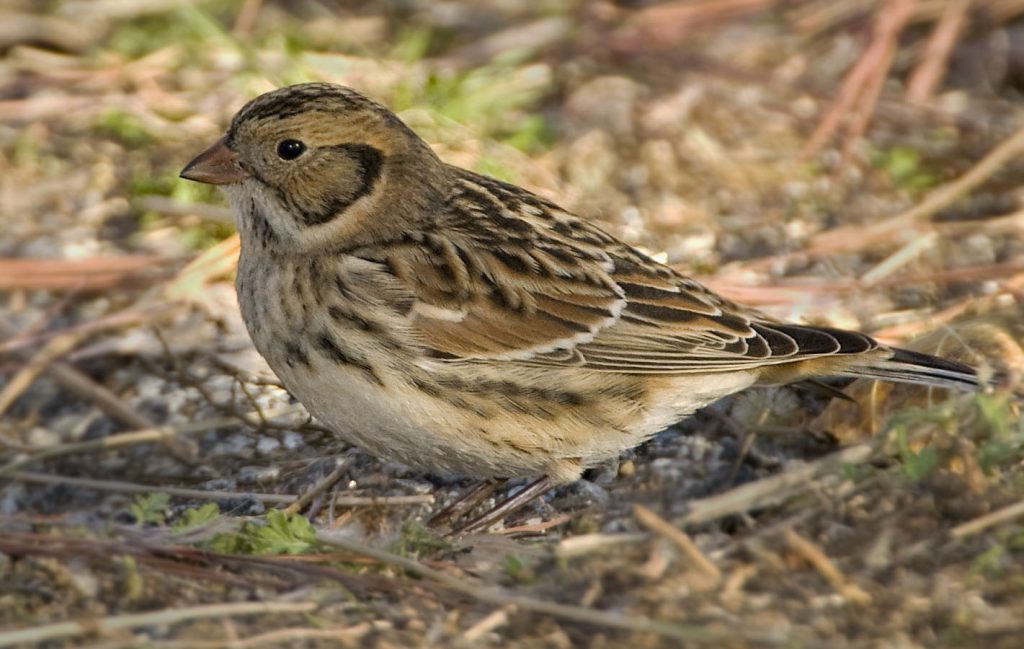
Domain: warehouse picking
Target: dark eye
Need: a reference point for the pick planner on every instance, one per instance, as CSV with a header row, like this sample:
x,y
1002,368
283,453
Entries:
x,y
290,149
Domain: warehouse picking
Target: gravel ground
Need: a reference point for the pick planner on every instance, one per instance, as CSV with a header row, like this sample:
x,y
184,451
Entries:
x,y
775,517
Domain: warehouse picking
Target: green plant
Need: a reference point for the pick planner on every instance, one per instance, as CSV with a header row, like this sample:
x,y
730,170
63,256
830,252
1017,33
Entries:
x,y
905,168
418,539
194,518
276,534
150,508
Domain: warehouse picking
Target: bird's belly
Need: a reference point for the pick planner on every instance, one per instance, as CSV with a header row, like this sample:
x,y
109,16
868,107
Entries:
x,y
361,412
399,422
396,423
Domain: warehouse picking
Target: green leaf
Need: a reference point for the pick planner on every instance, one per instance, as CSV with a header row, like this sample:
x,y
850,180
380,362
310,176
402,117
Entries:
x,y
230,543
150,508
991,562
196,517
277,534
419,540
519,569
905,168
125,127
856,473
996,411
282,535
919,466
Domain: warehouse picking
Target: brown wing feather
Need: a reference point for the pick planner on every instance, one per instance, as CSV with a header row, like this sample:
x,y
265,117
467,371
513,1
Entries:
x,y
511,276
510,292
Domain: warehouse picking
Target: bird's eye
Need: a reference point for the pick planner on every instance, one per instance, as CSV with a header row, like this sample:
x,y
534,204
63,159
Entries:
x,y
290,149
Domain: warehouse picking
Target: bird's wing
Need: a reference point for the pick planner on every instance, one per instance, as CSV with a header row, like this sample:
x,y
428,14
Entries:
x,y
513,277
673,325
511,299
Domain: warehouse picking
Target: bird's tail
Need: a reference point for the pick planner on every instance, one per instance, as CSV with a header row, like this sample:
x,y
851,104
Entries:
x,y
906,366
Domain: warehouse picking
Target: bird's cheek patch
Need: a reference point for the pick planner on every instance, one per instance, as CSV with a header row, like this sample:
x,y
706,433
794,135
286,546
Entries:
x,y
355,168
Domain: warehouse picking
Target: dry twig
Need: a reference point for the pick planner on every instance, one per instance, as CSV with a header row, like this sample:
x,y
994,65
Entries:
x,y
659,525
69,378
862,86
498,597
118,486
20,382
775,488
61,630
317,489
928,74
146,435
817,558
899,227
287,637
96,274
982,523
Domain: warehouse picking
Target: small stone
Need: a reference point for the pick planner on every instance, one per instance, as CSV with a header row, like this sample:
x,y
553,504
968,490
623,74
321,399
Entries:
x,y
267,445
607,104
627,469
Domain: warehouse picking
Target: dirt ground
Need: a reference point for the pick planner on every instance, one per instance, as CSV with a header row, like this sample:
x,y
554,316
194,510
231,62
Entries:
x,y
846,162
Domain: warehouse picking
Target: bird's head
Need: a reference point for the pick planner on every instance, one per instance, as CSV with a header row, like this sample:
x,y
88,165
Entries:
x,y
320,166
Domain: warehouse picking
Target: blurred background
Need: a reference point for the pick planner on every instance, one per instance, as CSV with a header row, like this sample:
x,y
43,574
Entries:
x,y
714,132
847,162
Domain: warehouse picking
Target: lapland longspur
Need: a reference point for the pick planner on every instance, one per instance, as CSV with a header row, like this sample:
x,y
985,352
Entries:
x,y
461,324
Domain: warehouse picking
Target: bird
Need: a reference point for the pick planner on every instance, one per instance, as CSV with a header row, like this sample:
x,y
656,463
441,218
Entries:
x,y
464,325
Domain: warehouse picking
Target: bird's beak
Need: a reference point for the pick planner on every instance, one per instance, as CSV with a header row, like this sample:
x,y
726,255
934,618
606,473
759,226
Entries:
x,y
218,165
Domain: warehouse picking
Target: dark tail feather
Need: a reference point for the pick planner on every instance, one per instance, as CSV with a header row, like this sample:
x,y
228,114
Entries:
x,y
906,366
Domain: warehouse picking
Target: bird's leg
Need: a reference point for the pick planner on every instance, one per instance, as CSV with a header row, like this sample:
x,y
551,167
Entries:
x,y
507,507
465,503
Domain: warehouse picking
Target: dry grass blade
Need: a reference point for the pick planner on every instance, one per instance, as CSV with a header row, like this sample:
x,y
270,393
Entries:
x,y
584,544
17,28
535,528
863,84
1002,11
932,321
982,523
218,261
34,368
246,17
490,623
817,558
69,378
798,289
317,489
775,488
287,637
117,9
659,525
813,18
202,494
63,630
499,597
929,72
147,435
119,486
664,24
150,547
897,260
128,318
97,274
891,22
858,237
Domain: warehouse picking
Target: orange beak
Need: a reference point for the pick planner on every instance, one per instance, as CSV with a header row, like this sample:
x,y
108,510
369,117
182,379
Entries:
x,y
218,165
